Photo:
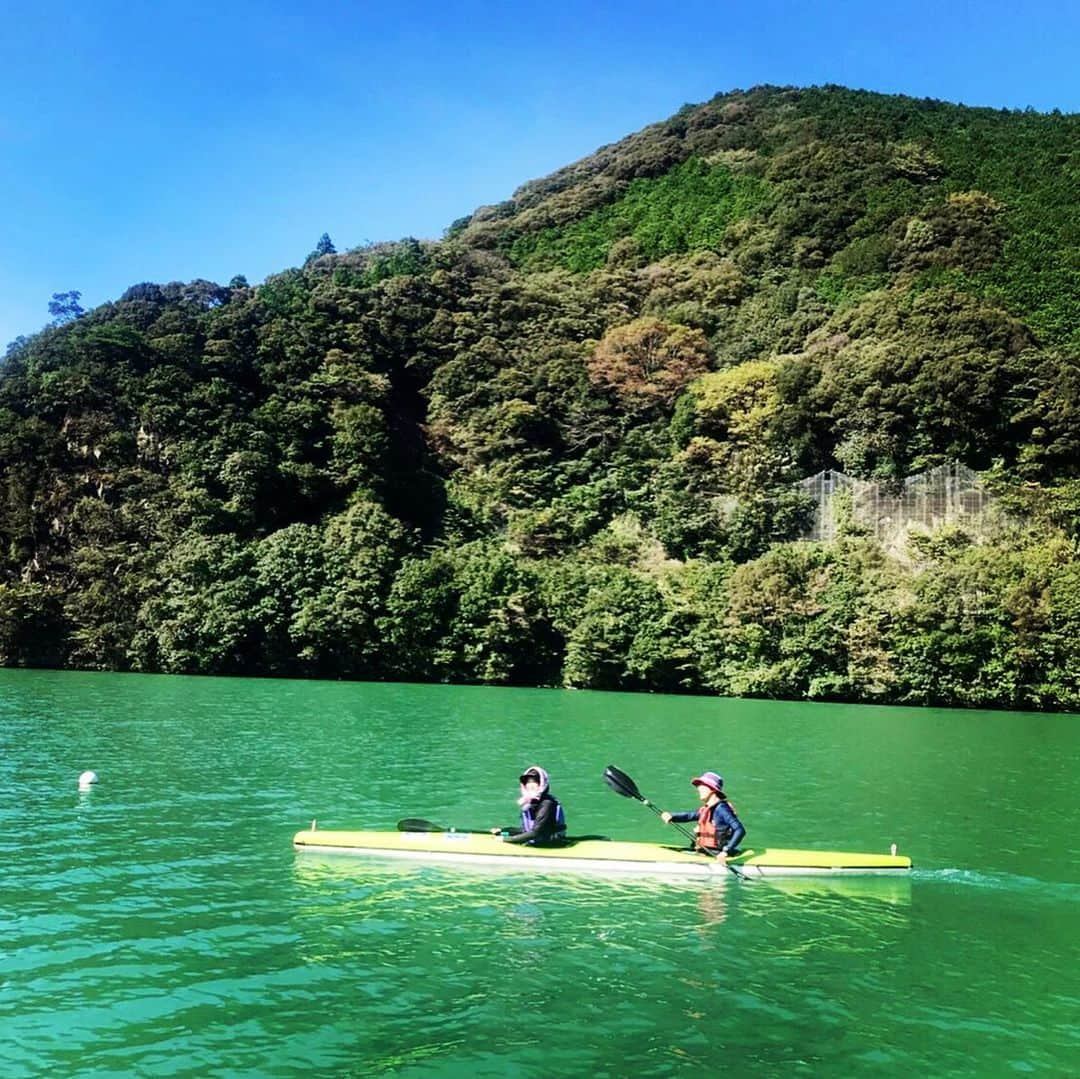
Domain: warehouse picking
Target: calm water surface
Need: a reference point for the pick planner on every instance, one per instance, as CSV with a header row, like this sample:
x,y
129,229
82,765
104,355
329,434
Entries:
x,y
161,924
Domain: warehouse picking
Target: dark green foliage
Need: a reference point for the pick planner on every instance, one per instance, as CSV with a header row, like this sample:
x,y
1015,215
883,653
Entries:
x,y
31,626
622,637
472,614
65,307
903,383
325,246
563,444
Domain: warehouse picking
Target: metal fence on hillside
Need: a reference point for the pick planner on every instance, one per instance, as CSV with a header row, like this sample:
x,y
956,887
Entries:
x,y
949,494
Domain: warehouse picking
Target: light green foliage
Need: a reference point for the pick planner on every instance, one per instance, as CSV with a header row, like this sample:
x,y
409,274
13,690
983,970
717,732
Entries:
x,y
337,625
687,209
727,491
969,631
290,575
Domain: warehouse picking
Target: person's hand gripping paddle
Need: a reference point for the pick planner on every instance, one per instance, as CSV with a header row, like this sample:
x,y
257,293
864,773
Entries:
x,y
622,784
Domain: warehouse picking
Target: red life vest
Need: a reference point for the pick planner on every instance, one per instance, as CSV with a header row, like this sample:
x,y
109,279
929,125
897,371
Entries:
x,y
706,837
705,833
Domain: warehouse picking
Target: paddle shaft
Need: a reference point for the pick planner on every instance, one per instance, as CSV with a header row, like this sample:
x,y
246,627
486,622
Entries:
x,y
674,824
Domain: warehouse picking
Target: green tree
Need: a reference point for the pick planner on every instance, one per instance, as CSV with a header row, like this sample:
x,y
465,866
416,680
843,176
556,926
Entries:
x,y
622,636
32,628
338,624
474,615
202,614
325,246
65,307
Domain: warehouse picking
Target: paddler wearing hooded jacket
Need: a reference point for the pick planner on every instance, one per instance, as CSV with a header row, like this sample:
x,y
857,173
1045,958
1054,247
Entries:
x,y
718,828
543,822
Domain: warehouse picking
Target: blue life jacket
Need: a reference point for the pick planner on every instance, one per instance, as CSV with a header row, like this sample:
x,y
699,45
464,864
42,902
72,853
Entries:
x,y
528,821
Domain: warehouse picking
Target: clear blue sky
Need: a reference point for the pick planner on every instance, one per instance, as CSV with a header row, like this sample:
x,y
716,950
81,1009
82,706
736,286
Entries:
x,y
164,142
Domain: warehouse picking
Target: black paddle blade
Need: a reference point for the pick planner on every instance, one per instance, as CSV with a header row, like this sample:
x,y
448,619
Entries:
x,y
418,824
621,783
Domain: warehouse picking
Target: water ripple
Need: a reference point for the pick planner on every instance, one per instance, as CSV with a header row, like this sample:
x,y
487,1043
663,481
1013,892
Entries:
x,y
162,925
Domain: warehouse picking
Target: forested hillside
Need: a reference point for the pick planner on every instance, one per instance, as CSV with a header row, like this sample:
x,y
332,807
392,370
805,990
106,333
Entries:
x,y
561,445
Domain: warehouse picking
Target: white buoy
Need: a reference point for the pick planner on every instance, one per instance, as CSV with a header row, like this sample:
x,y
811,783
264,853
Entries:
x,y
892,850
87,780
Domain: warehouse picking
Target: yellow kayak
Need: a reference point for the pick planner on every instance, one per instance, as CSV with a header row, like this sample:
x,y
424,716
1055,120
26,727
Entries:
x,y
593,855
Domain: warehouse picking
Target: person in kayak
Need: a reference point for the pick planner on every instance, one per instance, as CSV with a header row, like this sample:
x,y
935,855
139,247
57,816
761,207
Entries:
x,y
718,828
543,823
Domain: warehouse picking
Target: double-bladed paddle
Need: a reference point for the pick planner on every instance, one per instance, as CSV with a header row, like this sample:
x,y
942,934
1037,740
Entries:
x,y
418,824
622,784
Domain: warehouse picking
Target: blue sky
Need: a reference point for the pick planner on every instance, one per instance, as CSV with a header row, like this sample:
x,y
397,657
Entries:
x,y
146,142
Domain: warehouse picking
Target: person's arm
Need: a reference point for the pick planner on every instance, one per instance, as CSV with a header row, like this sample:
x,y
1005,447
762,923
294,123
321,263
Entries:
x,y
681,818
543,824
723,818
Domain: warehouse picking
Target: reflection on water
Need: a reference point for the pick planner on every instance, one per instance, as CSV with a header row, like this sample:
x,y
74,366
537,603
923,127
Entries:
x,y
712,905
313,867
894,889
375,890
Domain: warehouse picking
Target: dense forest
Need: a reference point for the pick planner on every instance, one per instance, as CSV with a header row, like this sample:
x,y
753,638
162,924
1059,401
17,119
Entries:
x,y
561,445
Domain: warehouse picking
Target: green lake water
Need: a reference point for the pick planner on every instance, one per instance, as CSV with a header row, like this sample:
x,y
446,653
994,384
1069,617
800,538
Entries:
x,y
161,924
